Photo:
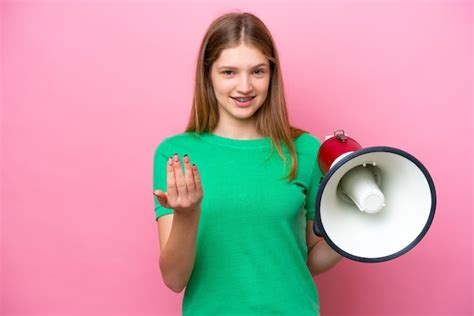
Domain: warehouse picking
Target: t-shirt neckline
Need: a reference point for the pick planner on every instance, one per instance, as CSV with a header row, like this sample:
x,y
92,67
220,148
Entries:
x,y
242,143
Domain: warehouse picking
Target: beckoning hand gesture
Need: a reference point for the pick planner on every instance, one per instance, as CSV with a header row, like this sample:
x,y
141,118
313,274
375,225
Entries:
x,y
184,192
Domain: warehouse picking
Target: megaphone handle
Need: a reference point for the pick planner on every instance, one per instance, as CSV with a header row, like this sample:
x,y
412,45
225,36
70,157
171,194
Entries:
x,y
316,229
340,134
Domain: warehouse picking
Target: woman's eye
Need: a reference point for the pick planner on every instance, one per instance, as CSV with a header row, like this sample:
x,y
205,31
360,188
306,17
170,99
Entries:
x,y
230,72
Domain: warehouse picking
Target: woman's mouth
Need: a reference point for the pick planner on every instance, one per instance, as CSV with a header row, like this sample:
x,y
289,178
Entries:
x,y
243,102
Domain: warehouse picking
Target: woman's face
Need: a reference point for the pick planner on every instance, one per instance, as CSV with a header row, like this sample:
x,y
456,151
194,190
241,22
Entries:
x,y
242,71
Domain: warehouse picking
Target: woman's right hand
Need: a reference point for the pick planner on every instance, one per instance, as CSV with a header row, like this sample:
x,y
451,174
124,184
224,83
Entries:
x,y
184,192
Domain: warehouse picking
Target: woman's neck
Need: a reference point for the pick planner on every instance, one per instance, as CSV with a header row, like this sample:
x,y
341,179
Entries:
x,y
240,131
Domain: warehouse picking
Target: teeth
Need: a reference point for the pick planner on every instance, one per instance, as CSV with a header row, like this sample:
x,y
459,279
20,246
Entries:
x,y
244,100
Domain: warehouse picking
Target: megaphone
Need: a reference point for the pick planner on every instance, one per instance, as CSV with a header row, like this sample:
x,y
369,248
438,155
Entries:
x,y
373,204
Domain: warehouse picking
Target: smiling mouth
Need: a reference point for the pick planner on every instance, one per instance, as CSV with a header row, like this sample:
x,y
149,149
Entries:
x,y
243,99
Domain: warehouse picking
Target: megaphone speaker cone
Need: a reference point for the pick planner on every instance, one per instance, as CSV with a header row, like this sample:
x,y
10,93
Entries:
x,y
386,209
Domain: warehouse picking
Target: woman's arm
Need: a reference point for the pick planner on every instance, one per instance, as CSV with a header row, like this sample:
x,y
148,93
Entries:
x,y
321,257
178,231
179,251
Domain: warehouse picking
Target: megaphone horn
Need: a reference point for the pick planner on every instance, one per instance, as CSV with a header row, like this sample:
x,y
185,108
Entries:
x,y
374,204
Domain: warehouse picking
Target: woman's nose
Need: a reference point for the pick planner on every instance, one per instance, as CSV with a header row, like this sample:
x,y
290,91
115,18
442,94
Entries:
x,y
245,85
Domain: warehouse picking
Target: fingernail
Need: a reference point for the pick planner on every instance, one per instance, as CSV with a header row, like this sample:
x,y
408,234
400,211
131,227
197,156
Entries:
x,y
170,161
175,157
186,158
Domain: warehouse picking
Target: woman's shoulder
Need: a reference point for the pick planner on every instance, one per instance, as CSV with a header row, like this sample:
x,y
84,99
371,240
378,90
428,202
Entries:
x,y
180,137
176,139
306,140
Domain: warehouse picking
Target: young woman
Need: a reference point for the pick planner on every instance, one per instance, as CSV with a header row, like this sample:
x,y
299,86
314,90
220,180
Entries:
x,y
235,217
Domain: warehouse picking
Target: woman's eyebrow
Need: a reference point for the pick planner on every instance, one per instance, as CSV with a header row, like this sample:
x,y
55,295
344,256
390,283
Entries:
x,y
230,67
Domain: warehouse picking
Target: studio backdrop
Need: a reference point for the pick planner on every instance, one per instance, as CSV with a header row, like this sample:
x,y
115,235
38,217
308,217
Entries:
x,y
90,88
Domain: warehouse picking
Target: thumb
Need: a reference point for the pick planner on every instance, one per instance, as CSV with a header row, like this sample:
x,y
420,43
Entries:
x,y
162,197
159,193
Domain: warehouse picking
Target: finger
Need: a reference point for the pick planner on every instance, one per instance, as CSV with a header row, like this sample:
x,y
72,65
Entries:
x,y
179,177
159,195
162,198
197,179
170,181
188,174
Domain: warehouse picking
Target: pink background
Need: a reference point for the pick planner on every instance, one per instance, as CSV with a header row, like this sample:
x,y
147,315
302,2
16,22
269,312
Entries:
x,y
89,88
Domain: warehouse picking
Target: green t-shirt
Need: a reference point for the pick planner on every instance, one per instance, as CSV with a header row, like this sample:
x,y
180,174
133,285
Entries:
x,y
251,248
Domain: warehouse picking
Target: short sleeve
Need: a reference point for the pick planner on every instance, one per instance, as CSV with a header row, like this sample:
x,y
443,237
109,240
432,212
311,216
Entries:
x,y
313,186
159,178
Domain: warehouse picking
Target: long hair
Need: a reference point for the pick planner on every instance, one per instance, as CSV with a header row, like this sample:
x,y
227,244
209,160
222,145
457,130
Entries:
x,y
229,31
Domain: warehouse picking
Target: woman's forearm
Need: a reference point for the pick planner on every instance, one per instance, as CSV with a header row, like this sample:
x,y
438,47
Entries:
x,y
321,258
178,255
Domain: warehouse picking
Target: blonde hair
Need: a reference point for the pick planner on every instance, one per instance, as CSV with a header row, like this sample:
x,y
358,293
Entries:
x,y
229,31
